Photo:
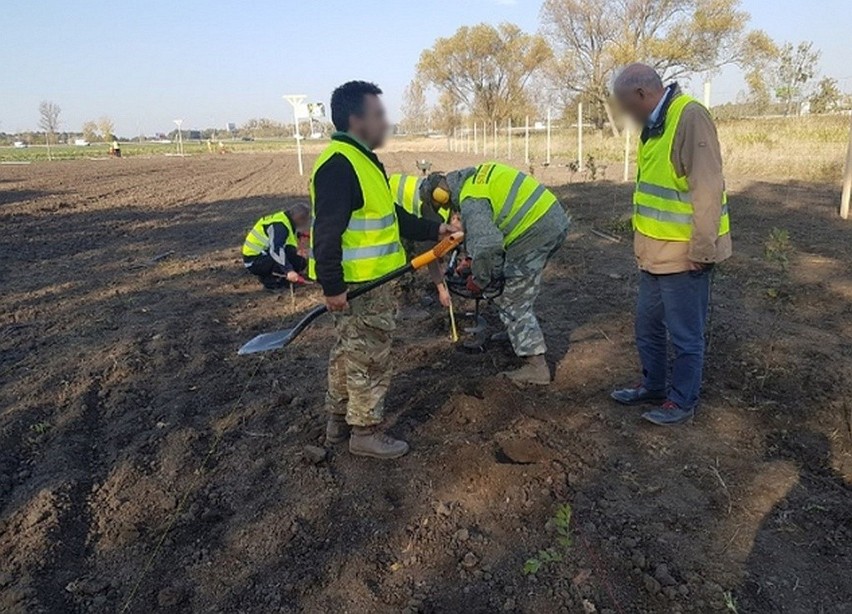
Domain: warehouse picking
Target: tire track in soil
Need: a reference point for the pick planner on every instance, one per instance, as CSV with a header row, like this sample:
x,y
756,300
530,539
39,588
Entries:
x,y
70,559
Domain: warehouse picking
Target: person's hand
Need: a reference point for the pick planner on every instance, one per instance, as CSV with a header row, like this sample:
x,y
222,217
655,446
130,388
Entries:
x,y
473,287
696,266
444,295
446,230
337,303
294,278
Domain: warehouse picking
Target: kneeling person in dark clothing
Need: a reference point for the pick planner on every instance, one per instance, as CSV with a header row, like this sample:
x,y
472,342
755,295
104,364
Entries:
x,y
270,250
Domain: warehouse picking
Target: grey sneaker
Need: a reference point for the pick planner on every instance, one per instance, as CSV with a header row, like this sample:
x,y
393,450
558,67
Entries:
x,y
637,395
372,442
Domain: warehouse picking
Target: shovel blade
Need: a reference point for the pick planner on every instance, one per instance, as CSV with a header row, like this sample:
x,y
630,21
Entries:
x,y
267,341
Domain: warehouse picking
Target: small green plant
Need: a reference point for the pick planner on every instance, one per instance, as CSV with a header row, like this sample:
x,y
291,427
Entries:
x,y
730,602
562,523
592,165
40,427
777,248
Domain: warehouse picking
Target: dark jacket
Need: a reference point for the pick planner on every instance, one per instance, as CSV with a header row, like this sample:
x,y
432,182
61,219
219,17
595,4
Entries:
x,y
286,256
337,193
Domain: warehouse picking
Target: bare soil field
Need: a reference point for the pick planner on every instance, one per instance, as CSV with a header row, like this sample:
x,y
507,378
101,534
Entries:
x,y
144,466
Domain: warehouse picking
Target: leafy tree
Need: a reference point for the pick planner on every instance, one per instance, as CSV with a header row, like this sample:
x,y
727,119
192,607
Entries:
x,y
415,111
760,53
446,115
678,37
485,69
48,121
90,131
797,66
106,127
827,96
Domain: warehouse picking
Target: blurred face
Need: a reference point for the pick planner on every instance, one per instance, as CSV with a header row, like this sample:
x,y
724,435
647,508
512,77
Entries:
x,y
372,127
638,103
301,220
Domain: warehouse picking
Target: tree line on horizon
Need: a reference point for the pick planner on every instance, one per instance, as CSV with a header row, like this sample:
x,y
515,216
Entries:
x,y
495,74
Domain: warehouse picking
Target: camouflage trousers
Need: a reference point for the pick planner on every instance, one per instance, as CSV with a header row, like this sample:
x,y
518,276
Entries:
x,y
359,367
523,274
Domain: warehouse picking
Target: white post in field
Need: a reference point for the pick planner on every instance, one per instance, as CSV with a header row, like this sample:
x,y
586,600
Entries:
x,y
626,153
527,141
847,177
580,136
178,123
475,141
707,93
296,102
509,137
467,139
548,136
484,139
495,139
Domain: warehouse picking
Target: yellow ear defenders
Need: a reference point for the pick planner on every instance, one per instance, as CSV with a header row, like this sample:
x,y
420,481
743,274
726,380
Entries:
x,y
440,196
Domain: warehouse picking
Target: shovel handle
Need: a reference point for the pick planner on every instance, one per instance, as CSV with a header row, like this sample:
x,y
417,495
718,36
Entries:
x,y
441,249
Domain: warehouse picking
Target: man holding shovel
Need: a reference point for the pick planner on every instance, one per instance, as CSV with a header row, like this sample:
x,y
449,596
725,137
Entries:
x,y
356,239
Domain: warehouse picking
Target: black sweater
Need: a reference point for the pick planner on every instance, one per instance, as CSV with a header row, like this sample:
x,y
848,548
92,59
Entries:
x,y
337,193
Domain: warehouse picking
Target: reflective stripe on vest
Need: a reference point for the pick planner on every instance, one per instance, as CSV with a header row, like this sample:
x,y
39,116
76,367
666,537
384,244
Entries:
x,y
370,244
257,241
406,191
662,203
517,200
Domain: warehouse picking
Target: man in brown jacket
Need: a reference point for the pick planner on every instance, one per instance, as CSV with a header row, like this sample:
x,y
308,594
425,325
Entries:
x,y
682,229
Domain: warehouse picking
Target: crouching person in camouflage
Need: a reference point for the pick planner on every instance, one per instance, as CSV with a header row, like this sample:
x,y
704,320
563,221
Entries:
x,y
513,225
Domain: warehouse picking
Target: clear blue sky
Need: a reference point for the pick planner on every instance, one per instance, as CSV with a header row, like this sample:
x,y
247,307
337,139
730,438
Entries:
x,y
147,62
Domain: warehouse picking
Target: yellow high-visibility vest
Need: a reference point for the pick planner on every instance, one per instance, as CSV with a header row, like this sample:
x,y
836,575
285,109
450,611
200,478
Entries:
x,y
517,200
371,244
257,241
406,191
662,204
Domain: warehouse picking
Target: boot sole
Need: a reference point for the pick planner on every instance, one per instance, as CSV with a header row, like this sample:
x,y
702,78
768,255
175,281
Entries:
x,y
378,456
335,440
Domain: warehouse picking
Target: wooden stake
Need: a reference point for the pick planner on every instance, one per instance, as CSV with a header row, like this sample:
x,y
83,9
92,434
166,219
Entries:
x,y
847,177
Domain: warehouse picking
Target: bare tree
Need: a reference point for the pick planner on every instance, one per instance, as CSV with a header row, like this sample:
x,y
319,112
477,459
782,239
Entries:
x,y
106,127
48,121
415,111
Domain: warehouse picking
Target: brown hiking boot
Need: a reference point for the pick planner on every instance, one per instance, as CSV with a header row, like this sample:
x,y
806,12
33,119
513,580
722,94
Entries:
x,y
336,429
535,371
370,441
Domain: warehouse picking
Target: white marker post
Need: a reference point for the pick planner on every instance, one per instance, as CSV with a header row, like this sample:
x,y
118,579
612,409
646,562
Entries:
x,y
509,137
495,139
580,136
847,177
548,136
179,122
484,139
296,102
475,141
527,141
707,94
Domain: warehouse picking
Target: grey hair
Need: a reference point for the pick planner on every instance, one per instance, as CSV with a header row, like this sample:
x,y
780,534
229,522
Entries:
x,y
638,76
299,208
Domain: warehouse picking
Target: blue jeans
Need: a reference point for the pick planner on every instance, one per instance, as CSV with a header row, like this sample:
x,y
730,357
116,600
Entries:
x,y
676,303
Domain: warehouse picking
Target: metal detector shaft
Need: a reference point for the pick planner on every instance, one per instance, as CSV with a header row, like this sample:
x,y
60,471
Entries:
x,y
280,338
